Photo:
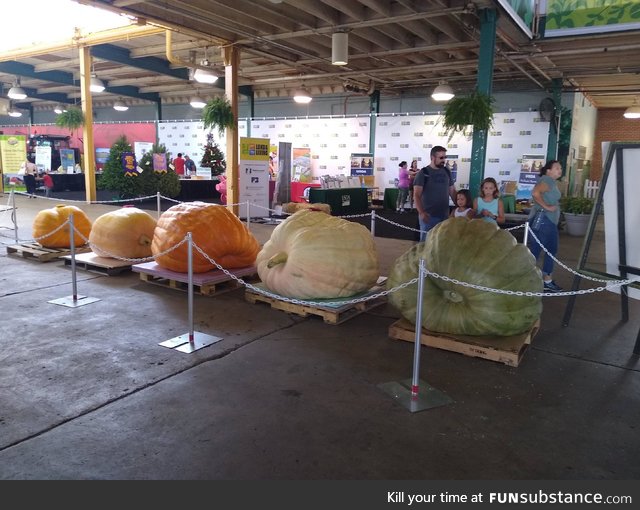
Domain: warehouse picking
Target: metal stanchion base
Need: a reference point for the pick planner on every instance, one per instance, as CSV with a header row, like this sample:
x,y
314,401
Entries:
x,y
181,343
427,398
71,303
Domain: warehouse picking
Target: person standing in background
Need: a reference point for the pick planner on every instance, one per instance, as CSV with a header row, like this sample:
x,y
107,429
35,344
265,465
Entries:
x,y
403,186
178,164
431,191
189,165
413,171
546,200
30,172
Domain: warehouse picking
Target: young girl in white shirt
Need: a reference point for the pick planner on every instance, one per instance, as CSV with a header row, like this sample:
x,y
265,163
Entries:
x,y
464,203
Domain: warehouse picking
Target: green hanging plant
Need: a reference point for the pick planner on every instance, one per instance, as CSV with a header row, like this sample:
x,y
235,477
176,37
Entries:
x,y
218,114
476,110
72,118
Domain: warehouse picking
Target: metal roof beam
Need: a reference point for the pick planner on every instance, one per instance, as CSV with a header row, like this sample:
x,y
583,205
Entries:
x,y
121,55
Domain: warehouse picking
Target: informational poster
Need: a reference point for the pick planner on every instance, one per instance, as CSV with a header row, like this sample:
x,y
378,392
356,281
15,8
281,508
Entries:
x,y
13,151
140,148
43,158
203,172
67,159
529,174
301,162
254,176
362,164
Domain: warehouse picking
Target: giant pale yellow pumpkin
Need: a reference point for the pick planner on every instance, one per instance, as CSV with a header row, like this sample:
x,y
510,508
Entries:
x,y
476,252
215,229
48,220
312,255
125,232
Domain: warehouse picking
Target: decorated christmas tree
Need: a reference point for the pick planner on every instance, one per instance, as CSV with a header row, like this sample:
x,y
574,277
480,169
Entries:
x,y
114,177
213,157
166,182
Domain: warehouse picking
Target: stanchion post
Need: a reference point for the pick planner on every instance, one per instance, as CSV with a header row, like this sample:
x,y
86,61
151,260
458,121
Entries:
x,y
158,202
72,247
190,288
526,233
373,222
193,340
415,381
74,300
14,217
406,392
248,213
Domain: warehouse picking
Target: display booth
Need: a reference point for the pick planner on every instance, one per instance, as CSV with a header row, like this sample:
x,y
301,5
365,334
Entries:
x,y
341,200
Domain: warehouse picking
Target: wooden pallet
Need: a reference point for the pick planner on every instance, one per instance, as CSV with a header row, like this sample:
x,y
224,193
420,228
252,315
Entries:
x,y
211,283
40,253
508,350
331,314
100,265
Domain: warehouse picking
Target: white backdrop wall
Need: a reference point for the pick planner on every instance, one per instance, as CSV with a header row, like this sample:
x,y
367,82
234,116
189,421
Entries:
x,y
330,140
408,137
190,137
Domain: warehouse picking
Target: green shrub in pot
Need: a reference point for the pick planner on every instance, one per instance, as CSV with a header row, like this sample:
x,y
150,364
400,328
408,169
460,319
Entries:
x,y
576,205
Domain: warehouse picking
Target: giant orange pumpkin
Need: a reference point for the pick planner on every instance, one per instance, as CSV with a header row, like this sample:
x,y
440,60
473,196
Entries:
x,y
125,232
217,231
48,220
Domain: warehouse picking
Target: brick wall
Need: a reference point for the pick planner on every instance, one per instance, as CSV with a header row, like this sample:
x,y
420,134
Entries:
x,y
612,127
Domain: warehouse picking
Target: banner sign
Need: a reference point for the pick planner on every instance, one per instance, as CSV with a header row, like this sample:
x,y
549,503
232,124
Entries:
x,y
529,174
43,158
160,163
129,165
254,174
102,154
13,149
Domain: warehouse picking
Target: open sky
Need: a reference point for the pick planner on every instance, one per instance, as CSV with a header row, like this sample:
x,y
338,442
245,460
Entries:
x,y
43,21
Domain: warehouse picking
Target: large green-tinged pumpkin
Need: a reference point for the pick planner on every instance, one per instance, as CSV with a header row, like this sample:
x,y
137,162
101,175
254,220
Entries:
x,y
215,229
312,255
125,232
476,252
48,220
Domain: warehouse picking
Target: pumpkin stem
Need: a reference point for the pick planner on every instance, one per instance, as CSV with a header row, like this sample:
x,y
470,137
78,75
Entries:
x,y
452,296
144,240
278,258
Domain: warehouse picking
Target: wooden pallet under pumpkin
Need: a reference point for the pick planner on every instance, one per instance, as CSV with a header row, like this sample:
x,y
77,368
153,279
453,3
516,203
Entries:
x,y
508,350
101,265
211,283
331,314
40,253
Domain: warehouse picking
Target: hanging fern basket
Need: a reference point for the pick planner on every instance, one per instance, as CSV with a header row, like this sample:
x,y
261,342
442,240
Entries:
x,y
475,110
71,119
218,114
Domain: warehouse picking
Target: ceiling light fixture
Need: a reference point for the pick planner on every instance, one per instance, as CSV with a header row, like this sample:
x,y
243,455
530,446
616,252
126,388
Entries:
x,y
120,106
633,112
13,112
443,92
96,84
204,76
339,48
302,96
197,102
17,92
58,109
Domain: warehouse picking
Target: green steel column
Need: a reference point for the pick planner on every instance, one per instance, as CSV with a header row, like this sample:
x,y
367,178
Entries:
x,y
488,19
552,142
374,109
158,119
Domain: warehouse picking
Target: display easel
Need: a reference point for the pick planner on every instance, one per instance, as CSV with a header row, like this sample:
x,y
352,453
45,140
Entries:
x,y
615,150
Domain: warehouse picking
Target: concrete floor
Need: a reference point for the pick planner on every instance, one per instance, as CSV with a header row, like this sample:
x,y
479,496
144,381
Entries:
x,y
87,393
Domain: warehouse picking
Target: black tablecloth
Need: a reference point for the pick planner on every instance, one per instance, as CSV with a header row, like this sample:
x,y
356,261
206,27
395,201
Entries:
x,y
197,189
68,182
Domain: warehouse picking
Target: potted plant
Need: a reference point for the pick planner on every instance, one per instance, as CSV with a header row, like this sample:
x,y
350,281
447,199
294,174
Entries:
x,y
72,118
475,110
218,114
577,211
